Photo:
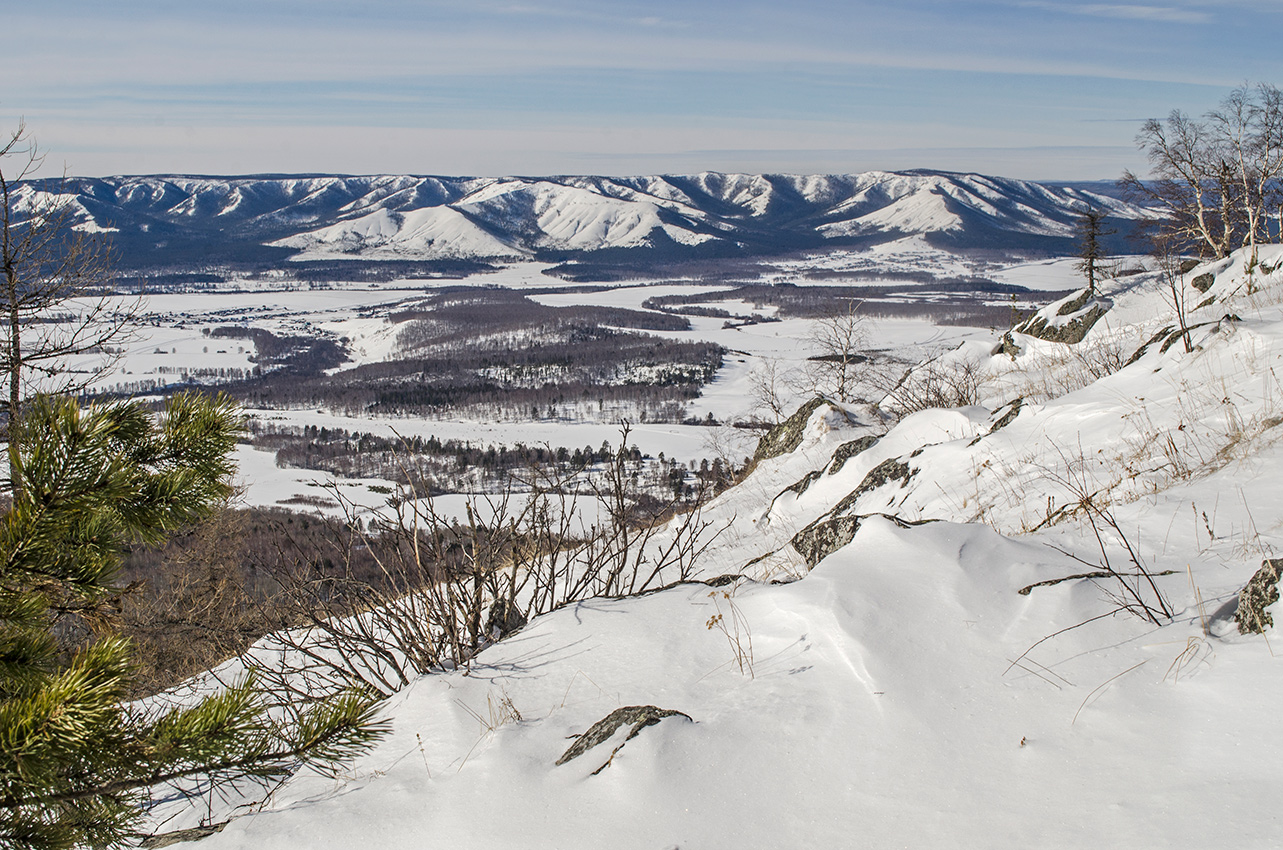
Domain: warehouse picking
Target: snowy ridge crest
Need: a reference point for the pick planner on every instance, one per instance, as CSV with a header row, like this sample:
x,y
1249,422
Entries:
x,y
419,217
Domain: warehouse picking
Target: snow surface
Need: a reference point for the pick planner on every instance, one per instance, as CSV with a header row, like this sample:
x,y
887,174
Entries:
x,y
902,693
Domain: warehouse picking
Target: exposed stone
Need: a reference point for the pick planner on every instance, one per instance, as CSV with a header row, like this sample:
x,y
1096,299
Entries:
x,y
1188,266
891,469
1175,336
824,537
787,436
196,833
1080,312
1254,600
1070,332
505,618
1007,346
1140,352
848,450
1075,304
827,535
800,487
1010,416
1203,282
1013,410
723,580
640,716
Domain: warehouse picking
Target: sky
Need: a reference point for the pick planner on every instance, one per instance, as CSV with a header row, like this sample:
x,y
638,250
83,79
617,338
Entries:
x,y
1037,89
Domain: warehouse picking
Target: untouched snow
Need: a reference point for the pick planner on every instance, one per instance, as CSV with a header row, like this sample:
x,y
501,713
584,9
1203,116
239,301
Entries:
x,y
902,693
432,233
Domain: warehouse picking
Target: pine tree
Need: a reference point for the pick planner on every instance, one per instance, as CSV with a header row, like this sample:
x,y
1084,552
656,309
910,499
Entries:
x,y
76,764
1091,252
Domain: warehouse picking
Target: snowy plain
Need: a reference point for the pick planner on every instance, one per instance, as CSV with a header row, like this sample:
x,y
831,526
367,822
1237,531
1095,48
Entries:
x,y
173,343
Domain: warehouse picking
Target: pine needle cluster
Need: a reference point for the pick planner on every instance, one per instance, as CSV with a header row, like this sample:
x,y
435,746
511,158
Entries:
x,y
77,765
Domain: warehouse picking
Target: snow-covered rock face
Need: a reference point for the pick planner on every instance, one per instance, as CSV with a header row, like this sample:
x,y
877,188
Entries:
x,y
955,673
399,217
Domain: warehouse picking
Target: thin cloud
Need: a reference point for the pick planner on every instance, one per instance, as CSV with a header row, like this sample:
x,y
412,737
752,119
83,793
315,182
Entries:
x,y
1159,14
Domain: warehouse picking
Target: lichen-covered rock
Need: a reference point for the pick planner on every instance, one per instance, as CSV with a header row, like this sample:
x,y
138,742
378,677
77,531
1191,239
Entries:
x,y
1254,600
824,537
850,449
1068,320
891,469
830,533
1203,282
1073,305
800,487
1140,352
178,836
1069,333
1013,410
640,716
787,436
1007,346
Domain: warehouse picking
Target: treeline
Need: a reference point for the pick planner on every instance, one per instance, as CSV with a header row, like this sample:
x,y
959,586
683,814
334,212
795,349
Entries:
x,y
294,355
450,463
809,302
455,315
578,373
438,467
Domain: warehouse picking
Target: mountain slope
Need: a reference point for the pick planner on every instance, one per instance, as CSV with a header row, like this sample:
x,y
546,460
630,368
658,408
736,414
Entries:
x,y
172,219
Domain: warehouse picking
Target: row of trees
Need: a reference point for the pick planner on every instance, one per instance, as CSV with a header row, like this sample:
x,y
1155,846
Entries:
x,y
1216,180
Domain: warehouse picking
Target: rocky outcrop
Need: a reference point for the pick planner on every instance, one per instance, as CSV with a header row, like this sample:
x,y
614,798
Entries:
x,y
1072,319
850,449
787,436
820,539
1254,600
639,716
800,487
1007,346
1203,282
891,469
827,535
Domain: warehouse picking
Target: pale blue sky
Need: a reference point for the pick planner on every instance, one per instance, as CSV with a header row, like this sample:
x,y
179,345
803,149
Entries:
x,y
1043,89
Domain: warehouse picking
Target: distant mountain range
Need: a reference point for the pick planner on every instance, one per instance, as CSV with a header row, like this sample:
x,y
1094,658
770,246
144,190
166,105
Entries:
x,y
184,221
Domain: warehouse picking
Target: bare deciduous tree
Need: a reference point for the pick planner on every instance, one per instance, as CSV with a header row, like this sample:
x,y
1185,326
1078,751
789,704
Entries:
x,y
58,276
838,339
448,586
1248,132
1170,265
769,390
1214,180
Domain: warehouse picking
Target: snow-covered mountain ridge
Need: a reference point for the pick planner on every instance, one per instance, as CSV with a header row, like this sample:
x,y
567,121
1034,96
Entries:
x,y
944,674
168,218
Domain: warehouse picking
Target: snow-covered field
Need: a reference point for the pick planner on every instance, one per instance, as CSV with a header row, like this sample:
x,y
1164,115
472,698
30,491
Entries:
x,y
173,342
921,685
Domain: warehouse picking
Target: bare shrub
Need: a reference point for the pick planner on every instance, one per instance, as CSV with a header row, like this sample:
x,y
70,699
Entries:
x,y
1134,590
447,588
930,385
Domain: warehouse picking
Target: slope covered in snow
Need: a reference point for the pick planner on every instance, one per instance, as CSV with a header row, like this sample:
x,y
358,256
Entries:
x,y
431,233
1005,624
166,219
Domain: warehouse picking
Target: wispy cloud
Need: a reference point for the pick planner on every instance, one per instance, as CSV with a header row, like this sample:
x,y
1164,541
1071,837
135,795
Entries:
x,y
1156,14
